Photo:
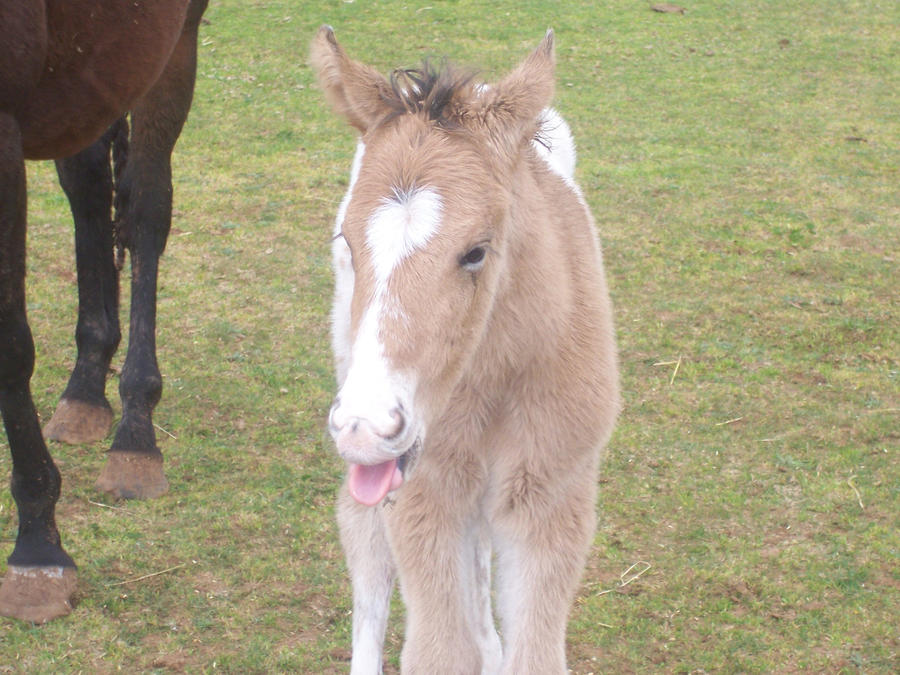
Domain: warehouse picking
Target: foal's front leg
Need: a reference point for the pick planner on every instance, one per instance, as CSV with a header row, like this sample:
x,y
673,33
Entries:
x,y
542,536
372,574
427,529
477,587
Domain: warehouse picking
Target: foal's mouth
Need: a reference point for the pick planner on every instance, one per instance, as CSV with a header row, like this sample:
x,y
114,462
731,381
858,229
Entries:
x,y
369,484
407,461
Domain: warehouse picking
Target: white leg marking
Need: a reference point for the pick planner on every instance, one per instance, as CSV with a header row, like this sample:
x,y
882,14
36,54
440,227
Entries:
x,y
372,574
481,615
371,606
510,589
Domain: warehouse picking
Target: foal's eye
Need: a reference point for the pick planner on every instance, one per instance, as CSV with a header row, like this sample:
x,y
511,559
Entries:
x,y
473,259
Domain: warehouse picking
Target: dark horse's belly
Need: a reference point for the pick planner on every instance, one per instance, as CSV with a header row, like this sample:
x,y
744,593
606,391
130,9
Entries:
x,y
74,76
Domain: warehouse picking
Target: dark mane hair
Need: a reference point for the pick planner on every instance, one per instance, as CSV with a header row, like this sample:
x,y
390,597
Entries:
x,y
429,90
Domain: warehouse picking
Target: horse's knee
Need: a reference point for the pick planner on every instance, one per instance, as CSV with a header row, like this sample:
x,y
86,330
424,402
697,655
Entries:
x,y
36,493
17,360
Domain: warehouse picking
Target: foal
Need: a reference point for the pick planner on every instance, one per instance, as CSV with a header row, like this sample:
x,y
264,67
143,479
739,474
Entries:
x,y
475,354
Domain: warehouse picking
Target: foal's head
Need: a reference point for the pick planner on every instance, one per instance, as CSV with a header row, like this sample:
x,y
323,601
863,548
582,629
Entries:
x,y
421,242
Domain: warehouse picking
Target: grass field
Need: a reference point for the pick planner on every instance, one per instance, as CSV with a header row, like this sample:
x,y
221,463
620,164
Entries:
x,y
741,160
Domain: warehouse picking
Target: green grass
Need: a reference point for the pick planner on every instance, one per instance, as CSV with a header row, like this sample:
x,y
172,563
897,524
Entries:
x,y
742,163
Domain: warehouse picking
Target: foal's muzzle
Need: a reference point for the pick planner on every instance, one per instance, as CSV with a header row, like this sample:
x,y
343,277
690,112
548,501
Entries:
x,y
363,440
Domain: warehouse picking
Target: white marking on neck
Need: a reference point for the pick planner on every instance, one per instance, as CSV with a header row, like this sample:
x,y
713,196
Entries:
x,y
401,225
354,175
559,155
343,277
559,151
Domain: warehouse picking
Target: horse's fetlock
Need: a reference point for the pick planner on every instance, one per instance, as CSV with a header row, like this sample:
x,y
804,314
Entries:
x,y
143,385
101,334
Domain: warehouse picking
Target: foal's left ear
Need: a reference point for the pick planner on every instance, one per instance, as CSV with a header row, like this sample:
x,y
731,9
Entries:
x,y
511,108
356,91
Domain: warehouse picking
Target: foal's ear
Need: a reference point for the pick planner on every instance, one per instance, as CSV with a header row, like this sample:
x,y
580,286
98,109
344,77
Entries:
x,y
356,91
511,108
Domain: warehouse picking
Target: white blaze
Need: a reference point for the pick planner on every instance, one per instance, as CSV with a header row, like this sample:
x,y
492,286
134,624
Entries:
x,y
403,223
371,389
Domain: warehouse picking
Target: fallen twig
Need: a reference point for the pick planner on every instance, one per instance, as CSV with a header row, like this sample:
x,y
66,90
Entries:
x,y
146,576
106,506
623,581
677,365
675,372
117,508
167,433
858,497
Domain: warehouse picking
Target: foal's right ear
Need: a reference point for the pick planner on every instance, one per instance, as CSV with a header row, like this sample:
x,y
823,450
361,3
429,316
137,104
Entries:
x,y
510,110
356,91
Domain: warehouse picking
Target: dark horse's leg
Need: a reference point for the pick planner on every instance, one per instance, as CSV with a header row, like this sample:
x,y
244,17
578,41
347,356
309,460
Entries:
x,y
144,202
84,415
40,578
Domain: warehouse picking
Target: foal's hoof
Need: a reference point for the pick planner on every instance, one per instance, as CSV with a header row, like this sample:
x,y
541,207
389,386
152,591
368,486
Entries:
x,y
130,475
78,422
37,594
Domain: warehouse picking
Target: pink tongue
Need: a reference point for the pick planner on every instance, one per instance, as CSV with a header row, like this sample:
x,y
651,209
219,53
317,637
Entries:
x,y
369,484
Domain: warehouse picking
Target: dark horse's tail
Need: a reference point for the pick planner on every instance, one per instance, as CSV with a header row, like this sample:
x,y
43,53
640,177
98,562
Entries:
x,y
118,134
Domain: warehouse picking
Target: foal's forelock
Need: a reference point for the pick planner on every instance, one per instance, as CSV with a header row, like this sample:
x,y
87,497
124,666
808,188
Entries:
x,y
433,92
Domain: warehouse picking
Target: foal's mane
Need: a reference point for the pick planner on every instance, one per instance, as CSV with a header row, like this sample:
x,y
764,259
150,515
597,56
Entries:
x,y
436,92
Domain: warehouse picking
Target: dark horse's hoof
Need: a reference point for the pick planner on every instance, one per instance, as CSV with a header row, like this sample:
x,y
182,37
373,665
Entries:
x,y
37,594
130,475
77,422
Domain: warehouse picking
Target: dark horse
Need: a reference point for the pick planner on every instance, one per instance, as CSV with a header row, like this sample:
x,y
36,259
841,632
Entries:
x,y
70,70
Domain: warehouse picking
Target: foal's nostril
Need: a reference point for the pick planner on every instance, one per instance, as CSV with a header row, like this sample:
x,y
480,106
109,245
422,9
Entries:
x,y
400,419
346,423
334,424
